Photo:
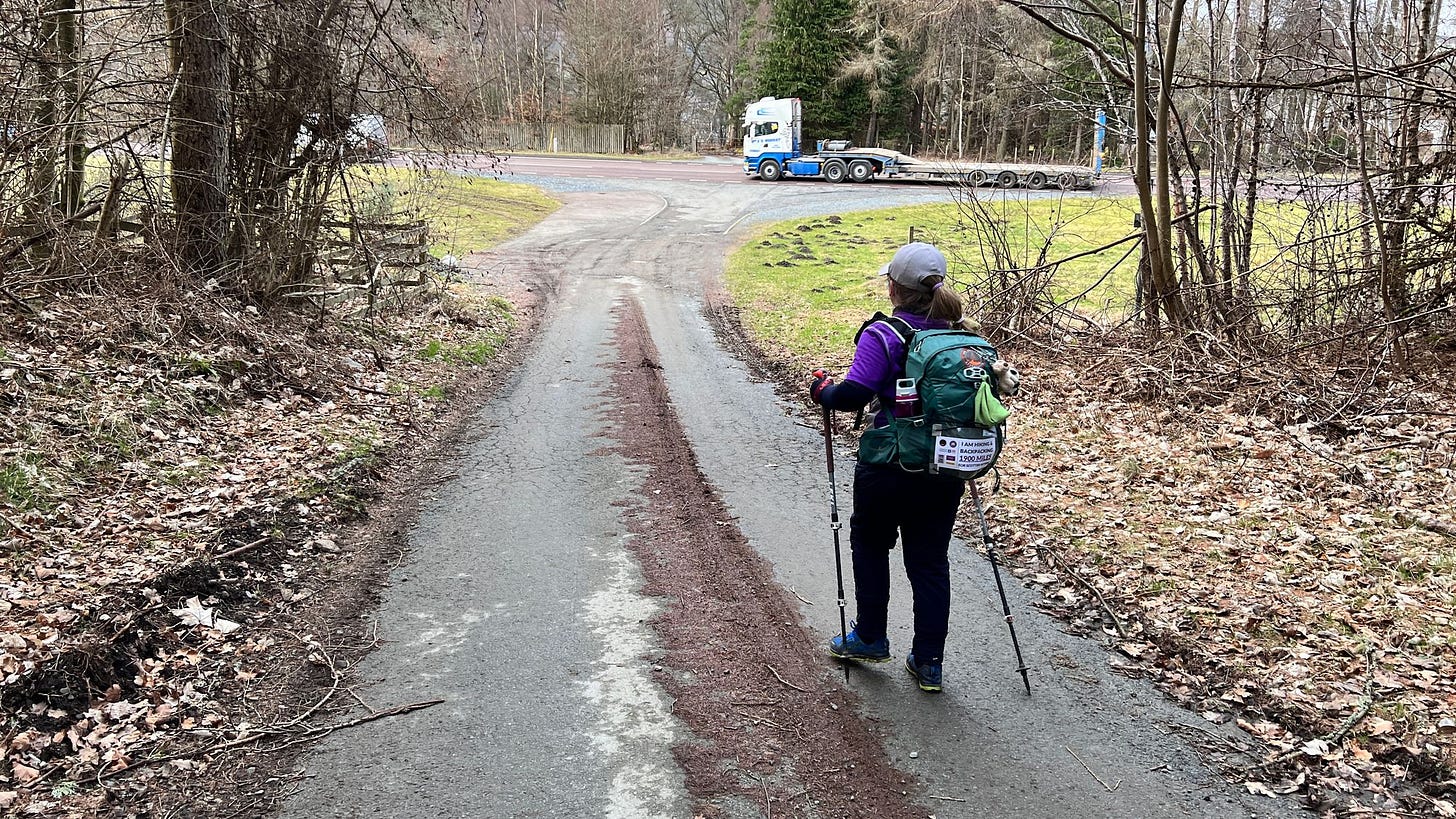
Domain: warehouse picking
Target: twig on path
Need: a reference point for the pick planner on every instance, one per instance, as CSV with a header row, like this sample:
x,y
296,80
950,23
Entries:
x,y
1110,788
245,547
1056,560
351,692
756,702
320,733
756,718
944,798
775,672
801,598
1227,742
21,530
304,736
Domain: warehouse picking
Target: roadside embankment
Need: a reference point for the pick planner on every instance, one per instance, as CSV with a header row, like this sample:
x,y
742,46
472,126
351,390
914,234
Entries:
x,y
196,499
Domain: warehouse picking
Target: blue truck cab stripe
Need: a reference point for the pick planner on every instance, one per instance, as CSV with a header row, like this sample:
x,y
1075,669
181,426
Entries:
x,y
750,164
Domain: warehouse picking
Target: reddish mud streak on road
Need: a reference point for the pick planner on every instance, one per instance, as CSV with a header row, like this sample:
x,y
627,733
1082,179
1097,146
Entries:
x,y
728,627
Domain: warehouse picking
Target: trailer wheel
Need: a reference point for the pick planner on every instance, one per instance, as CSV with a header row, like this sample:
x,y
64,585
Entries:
x,y
861,170
1036,180
1006,179
770,171
1067,181
835,171
977,177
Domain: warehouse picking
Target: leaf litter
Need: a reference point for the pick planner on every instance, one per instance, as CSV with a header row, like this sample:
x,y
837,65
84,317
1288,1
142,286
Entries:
x,y
173,470
1294,578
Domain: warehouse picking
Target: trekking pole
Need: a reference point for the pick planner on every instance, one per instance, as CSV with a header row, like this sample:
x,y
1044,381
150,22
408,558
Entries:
x,y
995,569
834,526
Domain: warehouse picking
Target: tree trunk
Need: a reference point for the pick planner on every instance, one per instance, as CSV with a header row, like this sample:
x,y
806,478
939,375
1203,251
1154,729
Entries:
x,y
1142,173
1166,278
201,117
73,134
41,192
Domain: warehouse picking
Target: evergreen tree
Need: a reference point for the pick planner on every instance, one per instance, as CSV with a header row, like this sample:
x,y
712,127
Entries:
x,y
809,42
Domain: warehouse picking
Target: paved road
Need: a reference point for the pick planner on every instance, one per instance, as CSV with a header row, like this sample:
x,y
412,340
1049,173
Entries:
x,y
520,605
719,170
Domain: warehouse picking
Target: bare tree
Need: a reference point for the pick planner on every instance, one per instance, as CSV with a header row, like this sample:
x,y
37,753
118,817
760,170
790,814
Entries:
x,y
201,123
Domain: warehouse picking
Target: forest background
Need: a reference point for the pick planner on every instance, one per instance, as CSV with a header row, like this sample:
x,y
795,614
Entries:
x,y
241,117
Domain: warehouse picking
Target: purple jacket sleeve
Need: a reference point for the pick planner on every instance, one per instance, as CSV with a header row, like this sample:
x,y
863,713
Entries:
x,y
872,367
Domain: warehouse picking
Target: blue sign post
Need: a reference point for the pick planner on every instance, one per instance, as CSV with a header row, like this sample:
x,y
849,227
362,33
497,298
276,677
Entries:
x,y
1099,136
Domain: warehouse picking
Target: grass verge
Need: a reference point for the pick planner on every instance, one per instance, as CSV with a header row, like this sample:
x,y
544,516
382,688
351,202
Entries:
x,y
798,281
467,214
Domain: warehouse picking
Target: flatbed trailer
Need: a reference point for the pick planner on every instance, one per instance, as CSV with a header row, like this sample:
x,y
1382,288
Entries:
x,y
867,164
771,151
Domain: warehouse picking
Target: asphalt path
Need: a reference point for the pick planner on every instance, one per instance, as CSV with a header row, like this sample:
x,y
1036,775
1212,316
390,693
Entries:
x,y
520,605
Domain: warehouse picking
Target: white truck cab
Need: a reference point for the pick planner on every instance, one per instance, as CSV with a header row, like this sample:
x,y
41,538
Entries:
x,y
771,132
773,150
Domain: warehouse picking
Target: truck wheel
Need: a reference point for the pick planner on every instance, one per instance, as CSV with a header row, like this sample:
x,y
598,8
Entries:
x,y
770,171
861,170
1067,181
835,171
1006,179
1036,180
978,177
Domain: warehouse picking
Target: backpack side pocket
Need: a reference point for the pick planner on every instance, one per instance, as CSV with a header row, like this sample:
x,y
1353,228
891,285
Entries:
x,y
878,446
914,441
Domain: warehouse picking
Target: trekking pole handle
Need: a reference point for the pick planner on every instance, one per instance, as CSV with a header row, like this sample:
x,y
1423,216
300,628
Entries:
x,y
829,439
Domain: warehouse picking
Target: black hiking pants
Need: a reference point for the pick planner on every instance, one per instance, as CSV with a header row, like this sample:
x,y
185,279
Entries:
x,y
920,509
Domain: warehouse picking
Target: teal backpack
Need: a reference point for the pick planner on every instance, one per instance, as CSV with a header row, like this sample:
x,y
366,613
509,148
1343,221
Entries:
x,y
956,424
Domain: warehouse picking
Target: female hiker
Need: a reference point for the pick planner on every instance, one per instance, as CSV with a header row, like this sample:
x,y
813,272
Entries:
x,y
890,500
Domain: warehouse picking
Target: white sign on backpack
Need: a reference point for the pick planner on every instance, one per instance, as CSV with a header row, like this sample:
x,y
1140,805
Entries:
x,y
966,454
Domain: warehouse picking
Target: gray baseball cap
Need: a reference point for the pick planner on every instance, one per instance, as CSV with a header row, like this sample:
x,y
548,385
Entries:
x,y
913,264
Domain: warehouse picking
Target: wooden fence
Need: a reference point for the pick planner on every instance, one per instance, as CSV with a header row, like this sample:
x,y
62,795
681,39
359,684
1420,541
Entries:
x,y
373,260
569,137
355,260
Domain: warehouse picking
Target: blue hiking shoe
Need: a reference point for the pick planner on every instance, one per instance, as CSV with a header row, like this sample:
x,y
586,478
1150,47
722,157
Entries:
x,y
927,676
851,647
